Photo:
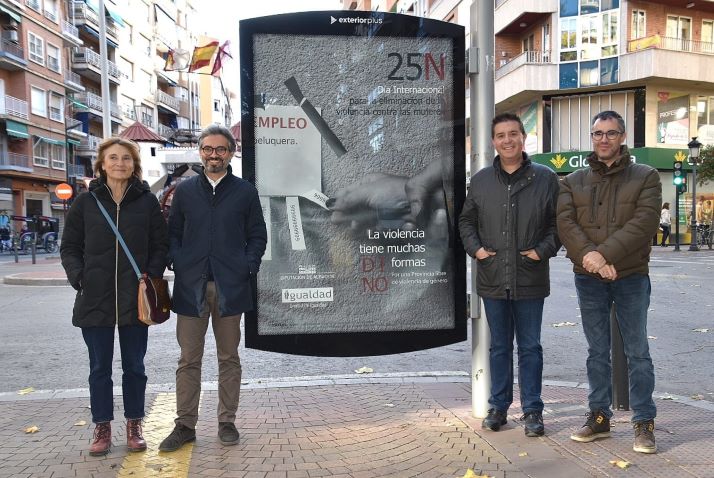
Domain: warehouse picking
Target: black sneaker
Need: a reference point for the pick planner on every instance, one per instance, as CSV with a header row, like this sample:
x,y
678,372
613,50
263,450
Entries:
x,y
228,434
177,438
494,420
534,424
596,426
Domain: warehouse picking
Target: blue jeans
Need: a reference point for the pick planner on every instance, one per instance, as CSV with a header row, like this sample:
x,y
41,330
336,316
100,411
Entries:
x,y
631,296
523,318
100,344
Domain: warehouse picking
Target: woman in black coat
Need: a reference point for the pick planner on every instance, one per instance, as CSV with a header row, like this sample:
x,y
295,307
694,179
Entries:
x,y
106,284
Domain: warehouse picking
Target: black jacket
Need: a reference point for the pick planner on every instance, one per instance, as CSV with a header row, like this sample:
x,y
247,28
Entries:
x,y
225,228
508,219
95,262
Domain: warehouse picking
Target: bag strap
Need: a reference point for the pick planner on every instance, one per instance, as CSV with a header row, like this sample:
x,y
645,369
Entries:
x,y
118,234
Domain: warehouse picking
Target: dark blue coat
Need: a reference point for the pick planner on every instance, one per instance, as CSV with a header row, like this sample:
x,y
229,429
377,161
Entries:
x,y
226,228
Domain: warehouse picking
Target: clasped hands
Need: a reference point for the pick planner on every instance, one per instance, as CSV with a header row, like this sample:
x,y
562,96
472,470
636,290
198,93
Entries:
x,y
595,263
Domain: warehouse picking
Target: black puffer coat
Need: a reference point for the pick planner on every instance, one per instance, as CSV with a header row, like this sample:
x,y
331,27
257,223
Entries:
x,y
507,219
95,262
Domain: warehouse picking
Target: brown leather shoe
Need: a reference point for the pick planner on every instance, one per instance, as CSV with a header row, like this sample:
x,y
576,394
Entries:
x,y
597,426
134,438
644,437
102,439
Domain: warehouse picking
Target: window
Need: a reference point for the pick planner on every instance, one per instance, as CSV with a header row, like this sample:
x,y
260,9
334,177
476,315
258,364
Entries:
x,y
144,45
708,36
679,33
528,43
145,83
216,105
589,48
589,6
40,152
126,67
56,107
33,4
568,8
609,34
568,40
54,58
37,48
57,155
38,99
127,107
51,10
128,33
639,25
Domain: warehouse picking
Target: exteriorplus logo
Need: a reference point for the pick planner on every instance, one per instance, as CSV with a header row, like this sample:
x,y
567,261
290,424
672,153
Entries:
x,y
361,20
312,294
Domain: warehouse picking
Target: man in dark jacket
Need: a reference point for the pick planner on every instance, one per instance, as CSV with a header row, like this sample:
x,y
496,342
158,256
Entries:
x,y
607,214
217,238
508,225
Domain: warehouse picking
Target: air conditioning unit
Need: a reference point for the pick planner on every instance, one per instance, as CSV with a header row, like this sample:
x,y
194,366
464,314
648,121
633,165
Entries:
x,y
11,35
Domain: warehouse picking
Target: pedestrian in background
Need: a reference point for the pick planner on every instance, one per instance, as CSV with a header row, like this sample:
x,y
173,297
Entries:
x,y
106,284
607,214
218,236
508,226
665,223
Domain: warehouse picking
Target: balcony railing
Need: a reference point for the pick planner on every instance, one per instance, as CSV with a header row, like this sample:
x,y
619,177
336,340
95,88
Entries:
x,y
15,159
76,170
15,107
670,43
90,143
91,57
71,123
12,48
69,29
165,131
83,13
525,58
94,102
166,99
72,77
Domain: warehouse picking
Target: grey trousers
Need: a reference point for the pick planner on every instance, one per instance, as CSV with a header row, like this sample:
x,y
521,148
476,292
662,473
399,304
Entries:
x,y
191,333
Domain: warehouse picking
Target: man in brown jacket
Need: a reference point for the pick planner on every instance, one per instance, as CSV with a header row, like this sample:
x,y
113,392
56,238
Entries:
x,y
607,215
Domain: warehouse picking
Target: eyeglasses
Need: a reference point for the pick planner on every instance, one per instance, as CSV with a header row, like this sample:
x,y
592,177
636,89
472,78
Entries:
x,y
209,150
612,134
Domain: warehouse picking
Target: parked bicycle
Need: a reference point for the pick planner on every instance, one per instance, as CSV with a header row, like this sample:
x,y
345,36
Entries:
x,y
704,235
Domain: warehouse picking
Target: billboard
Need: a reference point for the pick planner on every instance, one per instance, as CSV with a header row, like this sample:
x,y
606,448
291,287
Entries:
x,y
353,133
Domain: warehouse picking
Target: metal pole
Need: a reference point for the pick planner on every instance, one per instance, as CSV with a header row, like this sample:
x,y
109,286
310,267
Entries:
x,y
693,220
620,381
676,218
482,105
106,108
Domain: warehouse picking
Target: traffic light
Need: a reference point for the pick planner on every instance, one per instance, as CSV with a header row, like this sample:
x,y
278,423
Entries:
x,y
678,177
682,186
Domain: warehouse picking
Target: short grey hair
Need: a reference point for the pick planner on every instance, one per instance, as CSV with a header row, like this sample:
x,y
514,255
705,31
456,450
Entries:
x,y
214,129
606,115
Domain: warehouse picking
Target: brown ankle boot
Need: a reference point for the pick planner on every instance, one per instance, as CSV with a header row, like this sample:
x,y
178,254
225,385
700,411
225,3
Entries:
x,y
134,437
102,439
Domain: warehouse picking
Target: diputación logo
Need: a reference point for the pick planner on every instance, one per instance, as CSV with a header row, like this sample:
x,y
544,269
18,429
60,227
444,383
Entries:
x,y
311,294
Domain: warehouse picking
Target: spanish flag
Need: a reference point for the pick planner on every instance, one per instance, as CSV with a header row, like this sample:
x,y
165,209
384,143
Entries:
x,y
202,56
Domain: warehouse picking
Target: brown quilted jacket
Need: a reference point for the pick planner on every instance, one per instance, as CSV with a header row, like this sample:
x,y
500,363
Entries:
x,y
614,211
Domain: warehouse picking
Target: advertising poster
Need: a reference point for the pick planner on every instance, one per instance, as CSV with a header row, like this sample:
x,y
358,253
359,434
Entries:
x,y
354,137
672,117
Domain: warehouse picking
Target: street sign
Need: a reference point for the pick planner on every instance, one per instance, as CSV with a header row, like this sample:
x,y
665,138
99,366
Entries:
x,y
63,191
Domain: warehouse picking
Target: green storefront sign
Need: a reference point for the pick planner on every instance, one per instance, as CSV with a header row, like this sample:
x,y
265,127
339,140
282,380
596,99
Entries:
x,y
658,158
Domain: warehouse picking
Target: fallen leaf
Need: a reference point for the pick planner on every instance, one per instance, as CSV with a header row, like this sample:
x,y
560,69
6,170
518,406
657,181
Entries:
x,y
667,398
621,464
472,474
32,429
25,391
704,331
652,337
364,370
390,405
523,453
564,324
80,423
697,397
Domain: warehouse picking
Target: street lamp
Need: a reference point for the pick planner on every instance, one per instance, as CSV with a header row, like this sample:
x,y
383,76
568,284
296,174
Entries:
x,y
694,147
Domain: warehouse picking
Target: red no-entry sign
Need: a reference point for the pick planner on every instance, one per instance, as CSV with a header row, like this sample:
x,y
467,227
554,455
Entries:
x,y
63,191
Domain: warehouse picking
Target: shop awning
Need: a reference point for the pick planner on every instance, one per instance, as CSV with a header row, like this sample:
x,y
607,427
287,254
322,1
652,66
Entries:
x,y
17,130
94,5
73,141
12,14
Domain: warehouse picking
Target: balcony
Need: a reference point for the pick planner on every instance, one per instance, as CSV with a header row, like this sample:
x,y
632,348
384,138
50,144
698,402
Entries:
x,y
73,81
166,131
71,123
89,144
16,162
167,100
83,15
76,170
531,71
15,107
511,14
71,34
665,57
11,55
93,104
89,64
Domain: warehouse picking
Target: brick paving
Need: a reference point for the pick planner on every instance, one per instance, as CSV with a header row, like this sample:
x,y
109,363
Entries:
x,y
356,428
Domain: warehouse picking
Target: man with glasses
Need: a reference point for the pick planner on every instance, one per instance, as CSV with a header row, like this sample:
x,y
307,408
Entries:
x,y
217,238
607,215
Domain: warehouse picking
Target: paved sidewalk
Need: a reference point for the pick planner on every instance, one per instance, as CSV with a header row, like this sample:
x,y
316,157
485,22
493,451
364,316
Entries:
x,y
345,426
